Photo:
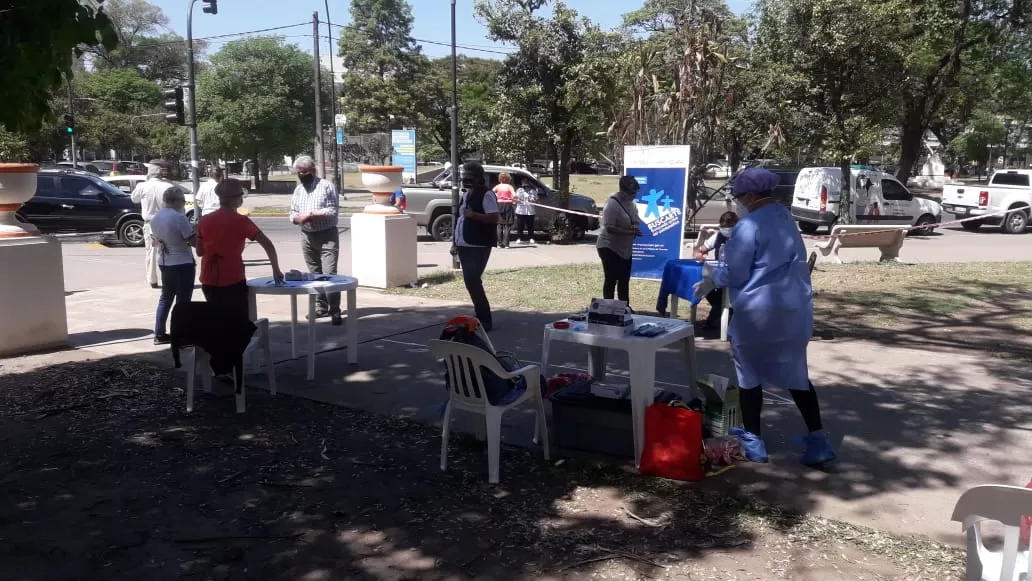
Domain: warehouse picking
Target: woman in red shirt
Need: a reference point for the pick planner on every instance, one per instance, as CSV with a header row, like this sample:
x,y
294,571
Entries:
x,y
506,195
221,236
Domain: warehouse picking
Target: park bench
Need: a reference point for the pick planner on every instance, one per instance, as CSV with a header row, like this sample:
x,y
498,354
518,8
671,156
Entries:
x,y
885,238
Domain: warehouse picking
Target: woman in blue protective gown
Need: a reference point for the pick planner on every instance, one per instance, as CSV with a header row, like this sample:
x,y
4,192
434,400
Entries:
x,y
766,272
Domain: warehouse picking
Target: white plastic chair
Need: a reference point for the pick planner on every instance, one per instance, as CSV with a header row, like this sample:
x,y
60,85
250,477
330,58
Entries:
x,y
465,364
1006,505
200,358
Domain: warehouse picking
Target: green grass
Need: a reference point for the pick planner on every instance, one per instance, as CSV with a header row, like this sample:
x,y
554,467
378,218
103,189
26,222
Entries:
x,y
972,299
598,188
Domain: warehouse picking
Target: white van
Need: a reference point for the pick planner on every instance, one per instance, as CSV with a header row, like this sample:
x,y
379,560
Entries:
x,y
878,198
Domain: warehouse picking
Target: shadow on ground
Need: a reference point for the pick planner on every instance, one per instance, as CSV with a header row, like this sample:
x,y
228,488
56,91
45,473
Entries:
x,y
105,477
972,314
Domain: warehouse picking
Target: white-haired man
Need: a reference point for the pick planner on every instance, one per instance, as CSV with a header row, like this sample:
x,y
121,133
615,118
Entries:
x,y
149,194
314,208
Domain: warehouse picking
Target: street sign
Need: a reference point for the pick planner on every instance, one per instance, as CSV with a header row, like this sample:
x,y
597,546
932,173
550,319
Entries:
x,y
403,143
340,136
340,120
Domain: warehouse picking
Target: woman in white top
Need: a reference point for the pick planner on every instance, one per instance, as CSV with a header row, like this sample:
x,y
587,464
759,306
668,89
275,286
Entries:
x,y
173,236
526,196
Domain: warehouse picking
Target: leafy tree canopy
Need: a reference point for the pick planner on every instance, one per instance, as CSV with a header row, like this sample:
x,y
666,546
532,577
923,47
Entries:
x,y
38,42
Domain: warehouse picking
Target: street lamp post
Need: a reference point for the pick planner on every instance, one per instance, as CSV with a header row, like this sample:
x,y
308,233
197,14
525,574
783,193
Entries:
x,y
454,139
71,112
211,7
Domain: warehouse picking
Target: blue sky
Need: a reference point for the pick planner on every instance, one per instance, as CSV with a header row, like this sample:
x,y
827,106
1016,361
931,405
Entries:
x,y
432,20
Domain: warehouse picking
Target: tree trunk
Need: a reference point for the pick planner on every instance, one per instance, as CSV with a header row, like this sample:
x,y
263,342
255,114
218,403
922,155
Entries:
x,y
911,138
846,213
563,171
553,156
257,172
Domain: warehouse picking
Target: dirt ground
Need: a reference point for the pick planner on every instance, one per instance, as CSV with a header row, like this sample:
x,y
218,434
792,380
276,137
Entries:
x,y
104,476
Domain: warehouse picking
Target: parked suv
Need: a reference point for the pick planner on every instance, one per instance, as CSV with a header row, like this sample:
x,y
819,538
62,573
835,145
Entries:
x,y
69,200
431,204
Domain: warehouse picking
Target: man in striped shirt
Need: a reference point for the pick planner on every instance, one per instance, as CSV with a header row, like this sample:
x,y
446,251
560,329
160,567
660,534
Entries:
x,y
314,208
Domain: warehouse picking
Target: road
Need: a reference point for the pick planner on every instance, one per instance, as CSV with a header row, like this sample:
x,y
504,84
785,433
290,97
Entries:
x,y
92,265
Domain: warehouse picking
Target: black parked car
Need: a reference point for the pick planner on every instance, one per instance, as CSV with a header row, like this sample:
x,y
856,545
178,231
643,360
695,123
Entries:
x,y
69,200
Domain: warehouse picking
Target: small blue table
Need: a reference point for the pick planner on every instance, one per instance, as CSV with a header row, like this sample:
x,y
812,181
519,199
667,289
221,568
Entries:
x,y
679,279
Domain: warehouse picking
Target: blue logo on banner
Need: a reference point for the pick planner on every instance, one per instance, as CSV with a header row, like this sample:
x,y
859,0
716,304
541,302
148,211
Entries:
x,y
661,209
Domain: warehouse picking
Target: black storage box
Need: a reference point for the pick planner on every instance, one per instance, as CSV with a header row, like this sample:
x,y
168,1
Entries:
x,y
582,421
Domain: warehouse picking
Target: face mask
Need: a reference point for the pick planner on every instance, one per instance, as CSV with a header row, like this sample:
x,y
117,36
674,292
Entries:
x,y
306,179
725,232
740,208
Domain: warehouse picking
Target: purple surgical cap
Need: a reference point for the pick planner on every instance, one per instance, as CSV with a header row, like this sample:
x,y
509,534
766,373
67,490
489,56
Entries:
x,y
754,180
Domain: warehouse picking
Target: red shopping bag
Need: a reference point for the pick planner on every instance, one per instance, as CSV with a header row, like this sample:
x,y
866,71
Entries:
x,y
673,443
1026,526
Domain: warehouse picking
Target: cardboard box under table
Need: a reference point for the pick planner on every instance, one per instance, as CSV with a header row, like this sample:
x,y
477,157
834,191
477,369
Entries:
x,y
641,353
583,421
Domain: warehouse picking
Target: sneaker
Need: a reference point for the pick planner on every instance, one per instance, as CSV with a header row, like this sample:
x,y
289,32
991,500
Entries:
x,y
818,449
754,448
162,339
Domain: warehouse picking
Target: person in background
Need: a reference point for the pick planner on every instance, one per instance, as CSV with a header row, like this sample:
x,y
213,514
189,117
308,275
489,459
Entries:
x,y
619,229
526,197
314,208
398,199
221,237
174,235
206,201
714,243
766,271
148,194
505,195
475,236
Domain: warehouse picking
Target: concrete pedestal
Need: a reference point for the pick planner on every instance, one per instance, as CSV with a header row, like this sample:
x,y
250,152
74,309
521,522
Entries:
x,y
32,297
383,250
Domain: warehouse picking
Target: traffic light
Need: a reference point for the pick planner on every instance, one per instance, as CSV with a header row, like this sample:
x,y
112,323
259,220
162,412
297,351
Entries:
x,y
174,109
210,7
69,123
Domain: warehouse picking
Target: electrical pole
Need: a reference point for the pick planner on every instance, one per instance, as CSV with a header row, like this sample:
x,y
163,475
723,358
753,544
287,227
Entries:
x,y
71,112
191,121
337,181
320,159
454,139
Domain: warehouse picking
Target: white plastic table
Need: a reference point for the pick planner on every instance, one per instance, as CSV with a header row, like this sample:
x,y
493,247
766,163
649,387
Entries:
x,y
312,288
641,352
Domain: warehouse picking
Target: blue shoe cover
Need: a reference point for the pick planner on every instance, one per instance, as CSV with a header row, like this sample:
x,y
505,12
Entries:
x,y
818,449
754,448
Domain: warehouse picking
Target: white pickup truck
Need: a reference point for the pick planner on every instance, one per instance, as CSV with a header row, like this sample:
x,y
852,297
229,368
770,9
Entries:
x,y
1008,189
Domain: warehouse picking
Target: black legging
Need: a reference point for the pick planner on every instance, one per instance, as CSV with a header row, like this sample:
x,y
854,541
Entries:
x,y
806,401
231,299
617,272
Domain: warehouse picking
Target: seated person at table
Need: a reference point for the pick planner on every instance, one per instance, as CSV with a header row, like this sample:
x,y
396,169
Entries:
x,y
221,236
714,242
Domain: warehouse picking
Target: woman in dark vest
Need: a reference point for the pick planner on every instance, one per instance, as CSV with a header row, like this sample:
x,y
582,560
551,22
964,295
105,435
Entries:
x,y
475,236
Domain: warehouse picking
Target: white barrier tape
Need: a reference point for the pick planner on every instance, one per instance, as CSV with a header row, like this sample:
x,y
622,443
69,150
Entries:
x,y
827,236
574,212
909,228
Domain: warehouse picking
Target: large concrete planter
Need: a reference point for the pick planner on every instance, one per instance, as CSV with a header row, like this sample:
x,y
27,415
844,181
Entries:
x,y
382,181
17,186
